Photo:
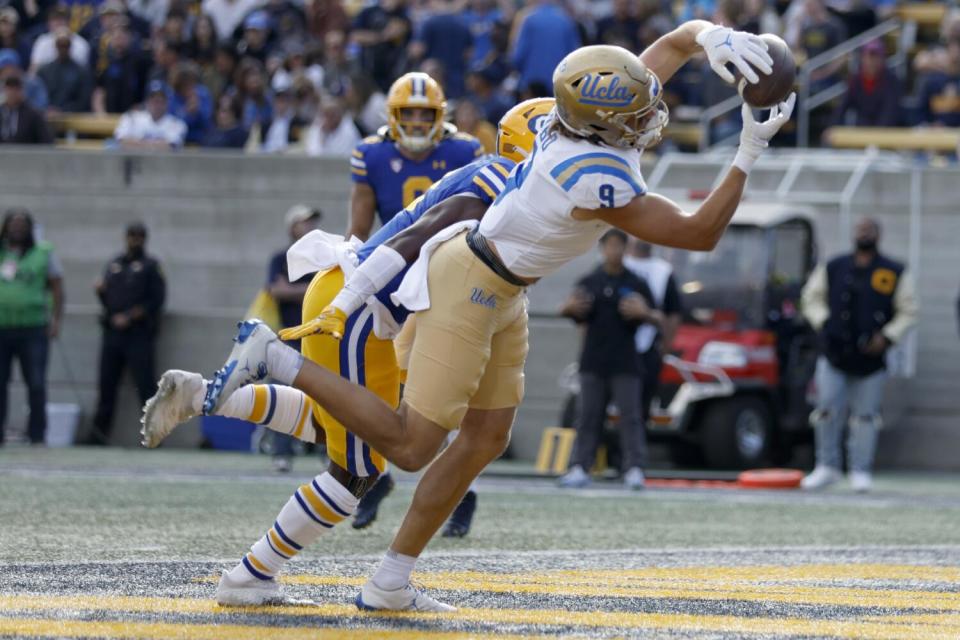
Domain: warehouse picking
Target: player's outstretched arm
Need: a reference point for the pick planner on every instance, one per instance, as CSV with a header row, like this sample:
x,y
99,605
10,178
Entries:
x,y
363,211
722,45
385,263
659,220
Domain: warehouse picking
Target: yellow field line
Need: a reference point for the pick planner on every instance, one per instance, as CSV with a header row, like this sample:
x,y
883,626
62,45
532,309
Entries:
x,y
832,595
888,627
168,631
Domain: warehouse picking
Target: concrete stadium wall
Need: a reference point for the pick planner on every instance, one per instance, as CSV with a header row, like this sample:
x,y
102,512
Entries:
x,y
215,219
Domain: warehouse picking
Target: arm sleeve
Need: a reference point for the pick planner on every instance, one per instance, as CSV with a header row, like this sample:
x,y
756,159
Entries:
x,y
813,298
905,309
358,164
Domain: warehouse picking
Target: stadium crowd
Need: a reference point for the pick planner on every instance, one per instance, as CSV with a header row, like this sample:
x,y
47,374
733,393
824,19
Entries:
x,y
311,75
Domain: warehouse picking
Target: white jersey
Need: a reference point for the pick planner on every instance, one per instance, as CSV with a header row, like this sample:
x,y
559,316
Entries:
x,y
531,224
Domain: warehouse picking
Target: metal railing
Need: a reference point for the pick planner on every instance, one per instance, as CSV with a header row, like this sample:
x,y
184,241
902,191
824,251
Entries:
x,y
807,102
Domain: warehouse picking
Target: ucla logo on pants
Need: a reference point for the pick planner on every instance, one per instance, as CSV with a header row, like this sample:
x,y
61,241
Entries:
x,y
479,297
604,91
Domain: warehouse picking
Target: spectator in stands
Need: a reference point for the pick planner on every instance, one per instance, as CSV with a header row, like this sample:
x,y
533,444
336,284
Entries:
x,y
132,291
256,103
33,87
190,101
151,127
255,42
654,339
228,14
10,36
31,311
227,133
445,35
68,84
546,34
612,303
20,123
485,93
278,132
481,18
935,58
120,83
109,16
940,91
367,104
154,12
467,118
337,67
287,21
332,134
621,26
817,31
219,78
44,47
306,102
325,16
861,303
295,67
300,220
873,92
166,56
382,31
202,45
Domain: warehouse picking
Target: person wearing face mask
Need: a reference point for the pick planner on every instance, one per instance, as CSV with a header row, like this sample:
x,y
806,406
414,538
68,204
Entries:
x,y
132,290
861,303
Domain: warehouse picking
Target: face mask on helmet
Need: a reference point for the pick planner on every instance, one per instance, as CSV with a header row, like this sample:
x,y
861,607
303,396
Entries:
x,y
417,128
640,130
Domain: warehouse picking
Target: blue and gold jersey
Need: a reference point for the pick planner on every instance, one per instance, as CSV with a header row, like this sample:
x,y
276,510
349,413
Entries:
x,y
397,180
484,179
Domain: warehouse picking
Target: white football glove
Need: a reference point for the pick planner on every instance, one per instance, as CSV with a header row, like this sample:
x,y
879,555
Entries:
x,y
743,50
755,136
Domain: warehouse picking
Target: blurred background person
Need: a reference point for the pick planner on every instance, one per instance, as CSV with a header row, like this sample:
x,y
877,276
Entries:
x,y
445,35
468,119
121,76
654,338
131,291
151,127
382,32
190,101
861,303
611,303
545,35
873,92
332,133
45,48
227,132
31,311
940,90
300,220
20,122
69,85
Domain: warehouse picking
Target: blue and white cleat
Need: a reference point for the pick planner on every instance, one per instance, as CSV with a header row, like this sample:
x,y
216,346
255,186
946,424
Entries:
x,y
247,363
407,598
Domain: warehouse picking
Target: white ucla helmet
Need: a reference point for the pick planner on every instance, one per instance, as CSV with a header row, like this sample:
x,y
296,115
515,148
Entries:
x,y
607,94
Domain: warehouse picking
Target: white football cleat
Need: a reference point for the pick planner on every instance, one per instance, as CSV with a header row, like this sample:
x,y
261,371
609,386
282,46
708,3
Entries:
x,y
171,406
241,593
575,478
860,481
821,478
406,598
247,363
634,479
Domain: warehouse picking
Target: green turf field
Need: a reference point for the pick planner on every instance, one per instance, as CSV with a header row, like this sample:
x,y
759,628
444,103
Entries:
x,y
127,544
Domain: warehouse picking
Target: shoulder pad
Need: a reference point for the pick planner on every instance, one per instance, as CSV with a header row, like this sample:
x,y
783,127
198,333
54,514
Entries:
x,y
375,139
449,129
460,135
384,133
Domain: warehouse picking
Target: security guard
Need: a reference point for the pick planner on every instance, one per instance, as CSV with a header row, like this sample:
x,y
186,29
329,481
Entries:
x,y
861,303
132,291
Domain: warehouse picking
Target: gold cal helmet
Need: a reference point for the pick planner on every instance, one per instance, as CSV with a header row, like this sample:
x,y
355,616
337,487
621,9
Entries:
x,y
411,91
606,94
518,128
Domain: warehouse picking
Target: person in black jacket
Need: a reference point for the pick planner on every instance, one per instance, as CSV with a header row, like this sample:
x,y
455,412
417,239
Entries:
x,y
132,291
861,303
873,92
20,123
611,302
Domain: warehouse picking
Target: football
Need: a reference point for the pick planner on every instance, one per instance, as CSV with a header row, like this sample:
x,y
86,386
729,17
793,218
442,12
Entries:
x,y
777,85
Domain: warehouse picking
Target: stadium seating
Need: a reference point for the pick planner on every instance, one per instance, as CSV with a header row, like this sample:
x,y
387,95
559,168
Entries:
x,y
934,139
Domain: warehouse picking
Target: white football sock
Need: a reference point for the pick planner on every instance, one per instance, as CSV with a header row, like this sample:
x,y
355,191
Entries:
x,y
312,510
394,571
